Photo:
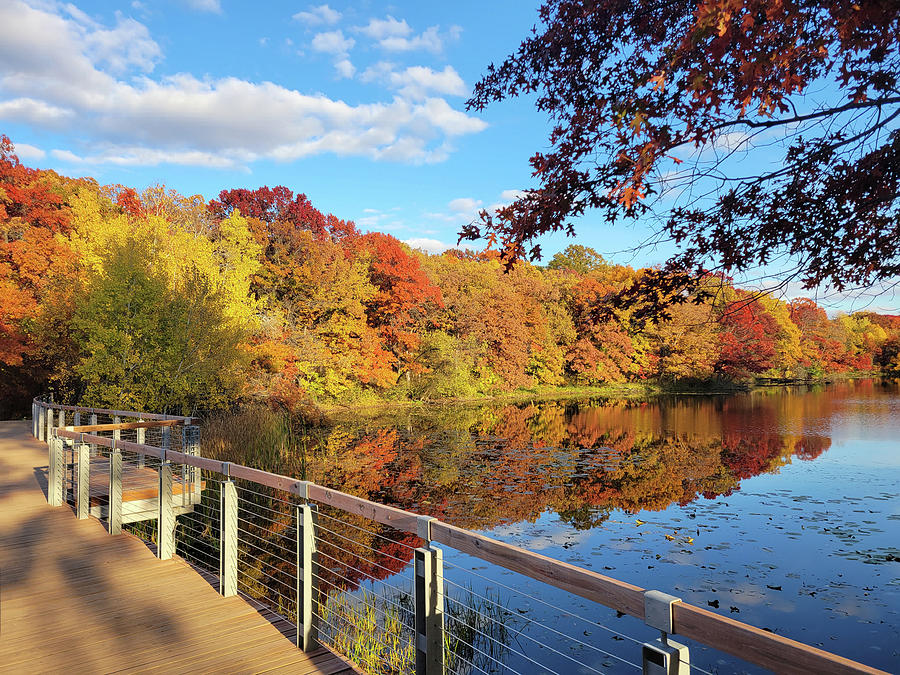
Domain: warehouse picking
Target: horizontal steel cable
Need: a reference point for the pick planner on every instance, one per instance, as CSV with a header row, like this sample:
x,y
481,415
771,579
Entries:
x,y
536,599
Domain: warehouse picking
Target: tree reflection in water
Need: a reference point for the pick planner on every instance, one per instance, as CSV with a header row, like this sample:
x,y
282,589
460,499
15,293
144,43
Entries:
x,y
489,466
484,467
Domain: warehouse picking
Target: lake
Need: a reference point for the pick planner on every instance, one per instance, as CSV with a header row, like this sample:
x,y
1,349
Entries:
x,y
779,507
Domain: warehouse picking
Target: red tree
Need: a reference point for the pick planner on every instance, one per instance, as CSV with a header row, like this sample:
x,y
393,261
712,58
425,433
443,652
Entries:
x,y
405,295
820,350
747,338
634,87
279,204
33,211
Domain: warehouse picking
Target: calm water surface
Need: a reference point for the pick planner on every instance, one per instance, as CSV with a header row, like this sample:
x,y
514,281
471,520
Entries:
x,y
780,508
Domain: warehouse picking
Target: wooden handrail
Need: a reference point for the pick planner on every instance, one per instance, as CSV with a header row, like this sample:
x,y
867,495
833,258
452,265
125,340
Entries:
x,y
114,413
619,595
149,424
769,650
742,640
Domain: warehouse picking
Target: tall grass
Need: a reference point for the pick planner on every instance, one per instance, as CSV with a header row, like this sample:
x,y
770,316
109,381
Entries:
x,y
378,633
260,437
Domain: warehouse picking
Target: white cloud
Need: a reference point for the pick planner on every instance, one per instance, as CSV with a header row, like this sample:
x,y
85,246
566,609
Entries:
x,y
345,68
214,6
33,111
317,16
416,82
378,72
29,152
129,44
389,27
381,221
67,156
368,221
434,246
450,121
510,196
333,42
396,35
464,205
137,156
467,209
126,45
430,40
52,74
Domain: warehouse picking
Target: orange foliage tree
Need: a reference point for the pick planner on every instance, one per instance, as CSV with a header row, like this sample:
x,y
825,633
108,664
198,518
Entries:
x,y
36,274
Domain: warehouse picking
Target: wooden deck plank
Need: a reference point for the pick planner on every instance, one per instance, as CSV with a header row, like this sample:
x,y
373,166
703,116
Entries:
x,y
241,639
76,599
51,648
323,661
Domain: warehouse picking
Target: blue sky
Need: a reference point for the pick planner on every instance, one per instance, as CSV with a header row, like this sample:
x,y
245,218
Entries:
x,y
361,106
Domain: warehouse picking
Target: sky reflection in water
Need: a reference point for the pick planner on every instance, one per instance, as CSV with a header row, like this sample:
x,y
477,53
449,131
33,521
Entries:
x,y
780,508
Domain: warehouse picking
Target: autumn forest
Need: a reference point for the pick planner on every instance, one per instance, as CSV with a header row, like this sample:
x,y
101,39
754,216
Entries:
x,y
158,301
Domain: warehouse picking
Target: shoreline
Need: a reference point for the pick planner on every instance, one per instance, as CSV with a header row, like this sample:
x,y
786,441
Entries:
x,y
627,391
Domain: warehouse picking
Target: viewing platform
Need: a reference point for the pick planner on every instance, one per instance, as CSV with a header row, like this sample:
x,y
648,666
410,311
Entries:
x,y
74,599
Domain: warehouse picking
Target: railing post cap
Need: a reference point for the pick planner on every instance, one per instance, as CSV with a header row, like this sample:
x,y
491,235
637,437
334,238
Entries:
x,y
658,610
302,489
423,526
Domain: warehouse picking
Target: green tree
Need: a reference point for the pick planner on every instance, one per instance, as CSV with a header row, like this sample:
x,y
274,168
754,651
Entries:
x,y
148,343
578,258
446,367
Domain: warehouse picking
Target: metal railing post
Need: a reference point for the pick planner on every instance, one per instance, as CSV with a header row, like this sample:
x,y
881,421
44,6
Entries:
x,y
40,422
48,431
429,592
663,655
62,418
56,471
165,531
83,488
228,539
141,440
93,422
77,421
114,516
33,423
190,445
117,433
307,577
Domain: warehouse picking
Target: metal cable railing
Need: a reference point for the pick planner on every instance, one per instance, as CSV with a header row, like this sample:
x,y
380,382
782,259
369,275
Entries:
x,y
367,580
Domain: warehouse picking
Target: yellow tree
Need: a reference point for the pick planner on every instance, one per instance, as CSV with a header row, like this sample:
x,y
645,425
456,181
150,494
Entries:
x,y
165,310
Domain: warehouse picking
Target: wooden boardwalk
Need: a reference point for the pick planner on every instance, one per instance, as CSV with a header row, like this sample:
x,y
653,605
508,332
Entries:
x,y
75,599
